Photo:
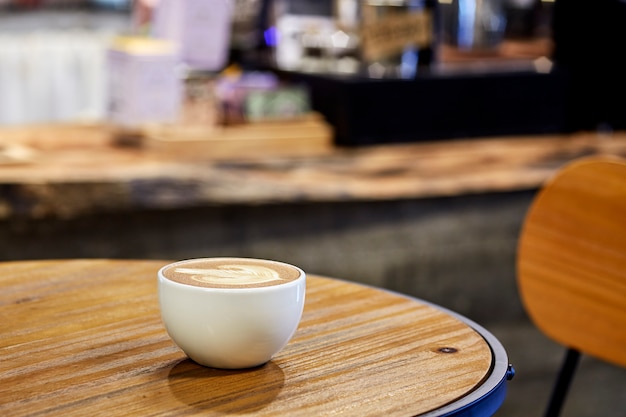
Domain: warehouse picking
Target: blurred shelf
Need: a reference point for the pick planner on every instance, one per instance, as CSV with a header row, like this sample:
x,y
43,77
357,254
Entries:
x,y
41,20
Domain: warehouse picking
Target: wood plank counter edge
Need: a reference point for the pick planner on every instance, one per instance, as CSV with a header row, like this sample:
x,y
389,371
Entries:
x,y
76,170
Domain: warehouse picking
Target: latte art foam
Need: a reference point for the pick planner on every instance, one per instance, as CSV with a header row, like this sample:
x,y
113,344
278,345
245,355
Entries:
x,y
232,275
231,272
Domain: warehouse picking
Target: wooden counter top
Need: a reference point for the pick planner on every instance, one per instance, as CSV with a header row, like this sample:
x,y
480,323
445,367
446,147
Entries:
x,y
68,170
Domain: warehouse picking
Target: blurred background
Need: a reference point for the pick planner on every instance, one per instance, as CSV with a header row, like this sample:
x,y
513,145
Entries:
x,y
377,73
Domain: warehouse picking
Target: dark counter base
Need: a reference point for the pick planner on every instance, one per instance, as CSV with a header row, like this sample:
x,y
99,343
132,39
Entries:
x,y
433,107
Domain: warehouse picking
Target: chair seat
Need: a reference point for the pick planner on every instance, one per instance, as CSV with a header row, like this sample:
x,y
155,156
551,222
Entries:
x,y
571,260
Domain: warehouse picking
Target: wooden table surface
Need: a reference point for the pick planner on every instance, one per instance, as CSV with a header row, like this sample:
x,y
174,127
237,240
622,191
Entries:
x,y
69,170
84,337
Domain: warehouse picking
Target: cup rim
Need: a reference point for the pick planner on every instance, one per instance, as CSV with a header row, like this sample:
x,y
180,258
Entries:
x,y
294,282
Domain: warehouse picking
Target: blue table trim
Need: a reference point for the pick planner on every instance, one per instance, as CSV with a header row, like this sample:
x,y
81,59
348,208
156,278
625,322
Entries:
x,y
487,398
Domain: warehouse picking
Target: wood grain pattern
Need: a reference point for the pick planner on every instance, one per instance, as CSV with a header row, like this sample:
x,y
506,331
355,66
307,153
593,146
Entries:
x,y
305,136
75,170
84,337
572,258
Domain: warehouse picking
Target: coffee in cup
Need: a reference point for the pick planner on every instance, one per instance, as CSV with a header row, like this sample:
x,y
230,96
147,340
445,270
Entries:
x,y
231,273
231,312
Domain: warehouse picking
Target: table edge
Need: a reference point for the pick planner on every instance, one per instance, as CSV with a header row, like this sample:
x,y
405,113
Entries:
x,y
490,394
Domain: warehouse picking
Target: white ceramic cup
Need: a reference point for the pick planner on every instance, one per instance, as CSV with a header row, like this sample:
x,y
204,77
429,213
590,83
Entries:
x,y
231,313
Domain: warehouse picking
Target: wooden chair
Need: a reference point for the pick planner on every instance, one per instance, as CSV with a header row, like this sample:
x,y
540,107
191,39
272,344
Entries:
x,y
571,265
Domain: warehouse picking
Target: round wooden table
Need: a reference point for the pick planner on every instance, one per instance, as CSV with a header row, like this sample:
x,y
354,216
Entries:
x,y
82,337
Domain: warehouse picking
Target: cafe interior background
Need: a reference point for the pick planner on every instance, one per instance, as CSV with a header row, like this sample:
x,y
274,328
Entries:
x,y
446,70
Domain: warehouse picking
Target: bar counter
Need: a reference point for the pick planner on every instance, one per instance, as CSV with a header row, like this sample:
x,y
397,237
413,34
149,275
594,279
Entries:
x,y
65,171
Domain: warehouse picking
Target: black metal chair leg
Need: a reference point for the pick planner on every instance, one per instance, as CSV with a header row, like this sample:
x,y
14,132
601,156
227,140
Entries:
x,y
564,379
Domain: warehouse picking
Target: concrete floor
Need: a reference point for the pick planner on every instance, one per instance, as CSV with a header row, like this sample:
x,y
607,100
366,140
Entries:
x,y
598,389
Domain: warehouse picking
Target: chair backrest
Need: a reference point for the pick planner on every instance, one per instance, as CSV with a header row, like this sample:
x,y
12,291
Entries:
x,y
571,263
